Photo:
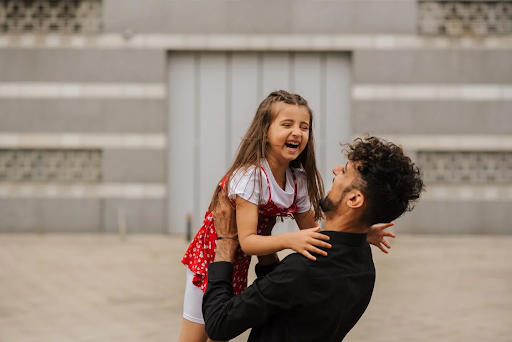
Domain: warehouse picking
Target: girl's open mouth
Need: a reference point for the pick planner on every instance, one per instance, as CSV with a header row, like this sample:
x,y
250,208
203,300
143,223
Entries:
x,y
292,145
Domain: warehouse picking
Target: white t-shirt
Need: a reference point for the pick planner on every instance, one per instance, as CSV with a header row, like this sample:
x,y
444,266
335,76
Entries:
x,y
245,184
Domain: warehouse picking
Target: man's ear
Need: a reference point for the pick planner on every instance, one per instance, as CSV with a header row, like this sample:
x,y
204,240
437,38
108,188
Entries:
x,y
355,199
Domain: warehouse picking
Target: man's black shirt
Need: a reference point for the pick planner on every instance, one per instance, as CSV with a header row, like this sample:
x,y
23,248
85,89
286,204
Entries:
x,y
300,300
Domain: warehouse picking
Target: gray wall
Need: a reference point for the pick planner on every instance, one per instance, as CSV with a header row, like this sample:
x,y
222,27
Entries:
x,y
104,116
131,126
261,17
433,68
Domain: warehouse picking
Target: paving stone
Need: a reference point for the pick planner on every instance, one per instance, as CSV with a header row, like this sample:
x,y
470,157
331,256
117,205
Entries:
x,y
99,288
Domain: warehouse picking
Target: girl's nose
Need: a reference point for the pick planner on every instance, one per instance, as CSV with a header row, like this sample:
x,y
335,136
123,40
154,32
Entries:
x,y
297,132
337,169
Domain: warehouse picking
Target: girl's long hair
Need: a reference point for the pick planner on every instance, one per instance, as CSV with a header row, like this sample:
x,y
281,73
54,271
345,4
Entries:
x,y
253,148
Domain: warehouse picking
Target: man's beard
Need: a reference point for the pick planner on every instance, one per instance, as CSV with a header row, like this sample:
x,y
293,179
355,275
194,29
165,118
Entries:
x,y
326,204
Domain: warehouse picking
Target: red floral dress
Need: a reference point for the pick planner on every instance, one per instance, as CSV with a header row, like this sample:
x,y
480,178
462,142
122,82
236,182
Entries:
x,y
201,251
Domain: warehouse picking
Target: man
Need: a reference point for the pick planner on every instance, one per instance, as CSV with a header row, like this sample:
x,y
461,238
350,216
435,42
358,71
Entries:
x,y
305,300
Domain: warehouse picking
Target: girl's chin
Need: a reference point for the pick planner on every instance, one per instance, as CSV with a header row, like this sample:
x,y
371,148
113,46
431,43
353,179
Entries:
x,y
291,158
288,155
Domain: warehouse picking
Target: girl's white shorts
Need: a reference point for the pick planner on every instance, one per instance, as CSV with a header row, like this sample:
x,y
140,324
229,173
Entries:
x,y
193,302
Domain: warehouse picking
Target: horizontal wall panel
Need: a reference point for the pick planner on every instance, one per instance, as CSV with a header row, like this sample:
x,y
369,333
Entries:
x,y
88,115
254,42
81,215
468,192
28,190
158,16
19,215
264,16
141,216
63,65
439,67
83,140
449,142
424,117
434,92
382,17
50,215
138,166
66,91
452,217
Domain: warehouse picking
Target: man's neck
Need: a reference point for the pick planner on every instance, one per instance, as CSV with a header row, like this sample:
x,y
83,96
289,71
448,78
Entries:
x,y
344,224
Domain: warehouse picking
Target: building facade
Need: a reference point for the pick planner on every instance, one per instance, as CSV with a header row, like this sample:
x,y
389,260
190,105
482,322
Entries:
x,y
124,114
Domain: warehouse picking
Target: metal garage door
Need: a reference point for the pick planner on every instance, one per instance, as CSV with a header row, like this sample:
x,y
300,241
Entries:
x,y
212,99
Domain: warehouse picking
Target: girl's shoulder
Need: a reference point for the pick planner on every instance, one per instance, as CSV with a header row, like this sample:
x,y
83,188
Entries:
x,y
249,173
245,182
246,171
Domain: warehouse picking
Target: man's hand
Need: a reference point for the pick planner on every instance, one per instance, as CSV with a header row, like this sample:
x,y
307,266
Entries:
x,y
377,233
225,225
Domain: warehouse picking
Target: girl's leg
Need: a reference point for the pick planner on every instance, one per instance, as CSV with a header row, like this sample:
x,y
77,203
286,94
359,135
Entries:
x,y
192,332
192,326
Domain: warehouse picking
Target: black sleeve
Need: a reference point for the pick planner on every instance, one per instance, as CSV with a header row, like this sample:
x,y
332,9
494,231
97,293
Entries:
x,y
227,317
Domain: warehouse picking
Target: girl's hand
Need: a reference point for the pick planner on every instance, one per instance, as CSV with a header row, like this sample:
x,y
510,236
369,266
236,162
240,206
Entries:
x,y
377,233
306,241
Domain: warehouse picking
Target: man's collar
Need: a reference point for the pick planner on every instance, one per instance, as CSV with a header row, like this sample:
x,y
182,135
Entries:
x,y
344,238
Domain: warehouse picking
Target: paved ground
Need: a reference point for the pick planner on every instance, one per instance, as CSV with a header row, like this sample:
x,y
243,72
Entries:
x,y
96,288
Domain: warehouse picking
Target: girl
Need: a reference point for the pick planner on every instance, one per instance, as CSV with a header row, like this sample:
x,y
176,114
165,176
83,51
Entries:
x,y
274,174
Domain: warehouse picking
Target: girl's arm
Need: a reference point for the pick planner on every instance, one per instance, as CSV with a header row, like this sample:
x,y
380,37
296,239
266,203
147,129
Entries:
x,y
270,259
303,241
247,224
376,233
306,220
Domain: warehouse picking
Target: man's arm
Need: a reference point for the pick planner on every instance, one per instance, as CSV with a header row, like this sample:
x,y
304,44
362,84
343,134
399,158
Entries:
x,y
225,219
227,316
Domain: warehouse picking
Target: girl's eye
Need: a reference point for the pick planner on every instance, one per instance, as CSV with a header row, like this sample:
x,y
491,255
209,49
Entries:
x,y
286,125
305,128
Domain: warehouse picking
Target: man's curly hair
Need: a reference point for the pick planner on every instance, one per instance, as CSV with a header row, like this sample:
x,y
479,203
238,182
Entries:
x,y
389,180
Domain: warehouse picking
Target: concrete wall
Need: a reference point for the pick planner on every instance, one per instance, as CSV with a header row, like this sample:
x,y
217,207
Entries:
x,y
261,17
446,68
111,92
